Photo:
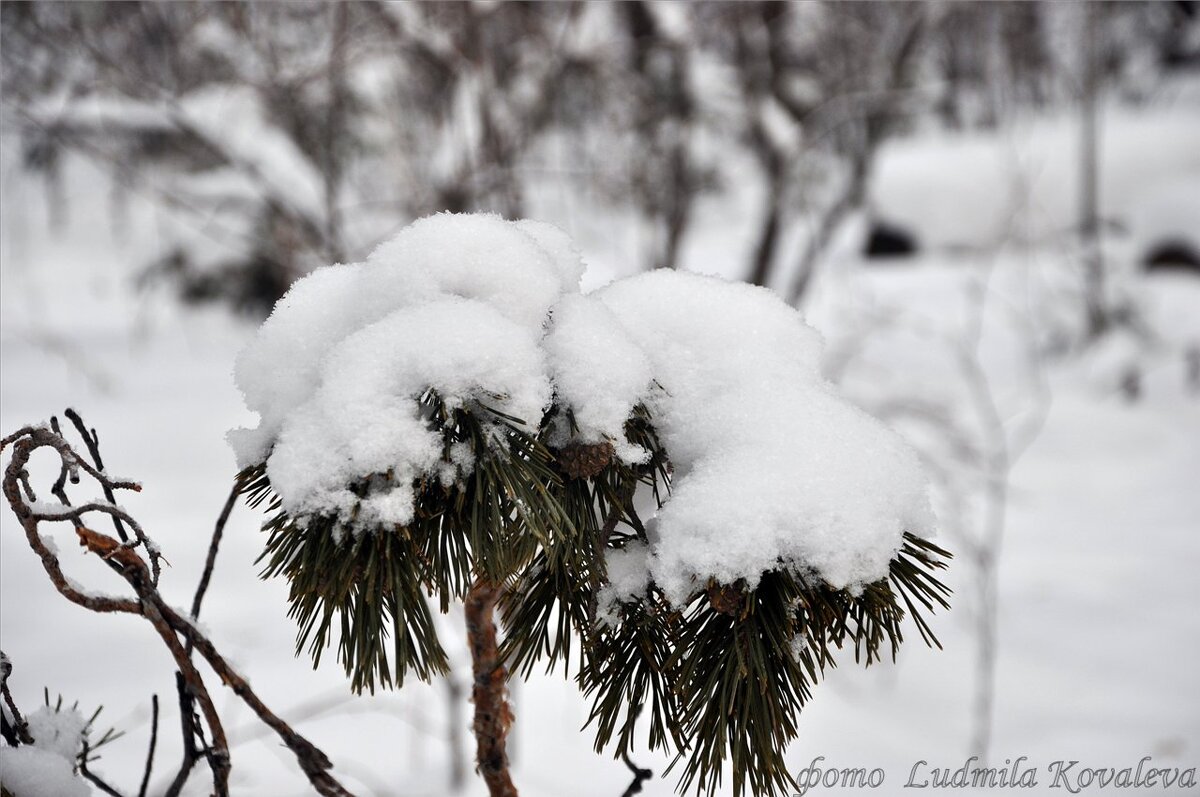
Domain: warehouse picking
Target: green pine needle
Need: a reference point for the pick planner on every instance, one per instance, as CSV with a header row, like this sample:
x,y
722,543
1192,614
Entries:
x,y
720,680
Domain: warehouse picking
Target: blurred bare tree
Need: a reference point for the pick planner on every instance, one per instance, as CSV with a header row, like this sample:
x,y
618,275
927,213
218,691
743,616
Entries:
x,y
292,135
822,87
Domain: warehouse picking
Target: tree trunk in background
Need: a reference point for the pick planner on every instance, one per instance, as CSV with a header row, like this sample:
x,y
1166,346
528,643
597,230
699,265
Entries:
x,y
335,129
1089,191
768,235
454,736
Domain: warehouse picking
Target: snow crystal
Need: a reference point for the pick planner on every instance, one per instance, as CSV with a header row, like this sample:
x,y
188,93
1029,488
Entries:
x,y
771,467
56,510
48,509
91,593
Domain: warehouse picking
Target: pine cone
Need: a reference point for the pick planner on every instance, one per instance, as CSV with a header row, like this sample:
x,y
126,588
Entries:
x,y
583,461
726,599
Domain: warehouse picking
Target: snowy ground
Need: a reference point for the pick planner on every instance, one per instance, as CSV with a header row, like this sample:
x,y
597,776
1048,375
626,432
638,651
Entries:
x,y
1099,621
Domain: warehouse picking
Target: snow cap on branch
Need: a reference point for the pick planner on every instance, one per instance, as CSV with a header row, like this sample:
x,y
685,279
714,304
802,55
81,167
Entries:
x,y
47,767
454,303
771,467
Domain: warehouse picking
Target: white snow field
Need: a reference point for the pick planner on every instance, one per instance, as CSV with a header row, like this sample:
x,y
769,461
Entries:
x,y
1099,600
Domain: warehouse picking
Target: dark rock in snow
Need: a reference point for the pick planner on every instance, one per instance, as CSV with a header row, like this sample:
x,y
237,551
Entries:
x,y
889,241
1173,254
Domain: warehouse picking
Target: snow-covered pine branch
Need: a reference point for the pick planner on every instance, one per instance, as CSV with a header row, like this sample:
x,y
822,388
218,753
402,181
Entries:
x,y
453,415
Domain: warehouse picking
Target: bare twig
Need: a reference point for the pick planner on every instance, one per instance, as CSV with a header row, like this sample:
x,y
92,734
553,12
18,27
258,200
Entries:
x,y
189,728
173,628
8,732
29,522
92,441
314,762
19,731
639,776
95,779
211,560
218,757
153,743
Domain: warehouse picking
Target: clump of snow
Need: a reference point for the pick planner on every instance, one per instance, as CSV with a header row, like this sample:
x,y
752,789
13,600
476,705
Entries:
x,y
628,576
518,269
59,732
798,645
598,370
280,369
47,767
363,419
32,772
456,303
567,261
771,467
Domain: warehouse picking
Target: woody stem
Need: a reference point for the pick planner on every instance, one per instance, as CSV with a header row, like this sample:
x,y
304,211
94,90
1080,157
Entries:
x,y
493,717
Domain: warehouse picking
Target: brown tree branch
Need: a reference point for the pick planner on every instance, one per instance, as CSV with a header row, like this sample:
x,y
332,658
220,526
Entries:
x,y
218,756
188,727
493,717
170,625
92,441
313,762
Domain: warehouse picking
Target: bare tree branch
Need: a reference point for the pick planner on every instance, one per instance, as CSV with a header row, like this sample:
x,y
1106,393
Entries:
x,y
95,779
167,622
19,731
639,776
211,560
153,743
188,727
92,441
493,717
